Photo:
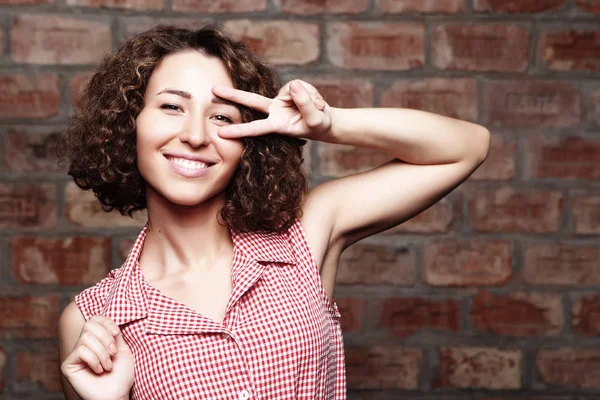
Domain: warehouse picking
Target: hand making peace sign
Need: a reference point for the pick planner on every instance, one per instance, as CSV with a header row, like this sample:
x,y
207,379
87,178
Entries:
x,y
298,110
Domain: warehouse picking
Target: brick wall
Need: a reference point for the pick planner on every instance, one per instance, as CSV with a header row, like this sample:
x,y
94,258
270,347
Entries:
x,y
490,294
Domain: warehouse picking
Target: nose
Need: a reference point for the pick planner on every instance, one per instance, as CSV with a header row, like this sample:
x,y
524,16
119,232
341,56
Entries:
x,y
195,133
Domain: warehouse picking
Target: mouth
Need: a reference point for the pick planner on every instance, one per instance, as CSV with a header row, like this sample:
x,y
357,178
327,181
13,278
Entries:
x,y
188,168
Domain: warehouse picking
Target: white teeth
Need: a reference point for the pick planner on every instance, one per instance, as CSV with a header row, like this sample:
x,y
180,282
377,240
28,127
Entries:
x,y
188,164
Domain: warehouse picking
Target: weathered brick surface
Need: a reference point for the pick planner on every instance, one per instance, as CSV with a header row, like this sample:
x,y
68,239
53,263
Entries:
x,y
455,98
585,316
27,150
2,366
29,96
511,6
344,93
481,47
312,7
336,160
509,210
479,367
500,163
376,45
29,317
437,218
421,6
369,264
596,105
571,50
53,39
283,42
24,2
572,367
125,4
586,214
467,263
352,312
561,264
518,314
405,316
83,209
592,6
130,25
385,367
531,104
125,246
219,6
68,261
77,85
41,367
564,158
27,206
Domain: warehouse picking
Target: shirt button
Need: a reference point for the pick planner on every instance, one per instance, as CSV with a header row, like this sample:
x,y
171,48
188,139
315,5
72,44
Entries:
x,y
244,395
226,335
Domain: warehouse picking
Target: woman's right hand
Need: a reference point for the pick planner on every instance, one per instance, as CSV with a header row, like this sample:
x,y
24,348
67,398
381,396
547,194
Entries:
x,y
101,364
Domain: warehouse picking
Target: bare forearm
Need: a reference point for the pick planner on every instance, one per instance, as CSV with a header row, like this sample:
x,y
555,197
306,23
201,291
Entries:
x,y
413,136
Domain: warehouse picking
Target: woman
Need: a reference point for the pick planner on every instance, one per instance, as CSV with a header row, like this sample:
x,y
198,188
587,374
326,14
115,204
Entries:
x,y
228,291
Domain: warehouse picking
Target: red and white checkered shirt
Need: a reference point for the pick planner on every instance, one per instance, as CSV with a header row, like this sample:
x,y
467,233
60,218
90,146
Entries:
x,y
280,339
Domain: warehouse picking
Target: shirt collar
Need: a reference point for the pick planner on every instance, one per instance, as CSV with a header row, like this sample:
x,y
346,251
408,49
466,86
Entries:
x,y
128,298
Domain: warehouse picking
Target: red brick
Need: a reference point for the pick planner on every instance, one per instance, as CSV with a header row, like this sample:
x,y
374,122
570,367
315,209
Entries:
x,y
467,263
586,213
571,367
77,84
518,314
28,206
58,261
481,47
564,158
376,45
586,316
437,218
125,4
2,366
311,7
52,39
344,93
560,263
83,209
29,317
32,151
408,315
125,246
352,311
336,160
592,6
421,6
130,26
369,264
479,367
571,50
29,96
282,42
456,98
500,163
42,367
507,210
512,6
533,104
383,367
24,2
596,105
219,6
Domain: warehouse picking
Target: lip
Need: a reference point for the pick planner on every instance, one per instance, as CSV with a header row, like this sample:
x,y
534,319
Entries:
x,y
188,173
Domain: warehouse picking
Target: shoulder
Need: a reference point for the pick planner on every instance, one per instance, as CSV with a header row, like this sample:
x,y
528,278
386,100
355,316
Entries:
x,y
91,300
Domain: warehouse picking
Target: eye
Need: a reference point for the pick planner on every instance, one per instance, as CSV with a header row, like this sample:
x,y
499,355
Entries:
x,y
223,118
171,107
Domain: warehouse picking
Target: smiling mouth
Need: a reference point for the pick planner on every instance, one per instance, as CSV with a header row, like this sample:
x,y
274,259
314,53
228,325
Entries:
x,y
188,164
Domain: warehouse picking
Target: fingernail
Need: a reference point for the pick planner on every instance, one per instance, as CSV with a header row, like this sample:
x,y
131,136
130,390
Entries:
x,y
294,87
112,348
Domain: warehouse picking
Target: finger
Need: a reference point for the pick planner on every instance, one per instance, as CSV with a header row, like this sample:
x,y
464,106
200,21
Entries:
x,y
248,99
121,345
91,342
108,323
320,104
311,115
101,329
254,128
88,357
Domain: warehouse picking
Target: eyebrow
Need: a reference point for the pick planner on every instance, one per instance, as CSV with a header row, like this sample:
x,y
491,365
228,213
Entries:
x,y
214,100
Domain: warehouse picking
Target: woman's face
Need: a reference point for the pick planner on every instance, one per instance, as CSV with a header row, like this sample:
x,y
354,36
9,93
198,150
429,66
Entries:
x,y
180,155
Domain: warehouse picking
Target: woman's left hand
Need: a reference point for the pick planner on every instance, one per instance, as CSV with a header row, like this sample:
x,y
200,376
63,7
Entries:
x,y
298,110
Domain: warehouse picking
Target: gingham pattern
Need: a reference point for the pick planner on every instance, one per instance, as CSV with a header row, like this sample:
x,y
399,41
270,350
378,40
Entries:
x,y
281,337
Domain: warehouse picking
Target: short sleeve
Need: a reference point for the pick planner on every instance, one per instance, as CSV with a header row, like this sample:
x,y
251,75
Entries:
x,y
91,300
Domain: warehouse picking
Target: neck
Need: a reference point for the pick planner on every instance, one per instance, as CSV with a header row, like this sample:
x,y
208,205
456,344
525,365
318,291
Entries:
x,y
184,239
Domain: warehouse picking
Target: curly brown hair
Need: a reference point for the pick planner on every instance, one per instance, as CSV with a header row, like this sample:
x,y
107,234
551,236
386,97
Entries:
x,y
266,190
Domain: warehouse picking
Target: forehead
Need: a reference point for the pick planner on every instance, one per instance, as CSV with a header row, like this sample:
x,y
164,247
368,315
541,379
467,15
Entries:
x,y
190,70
